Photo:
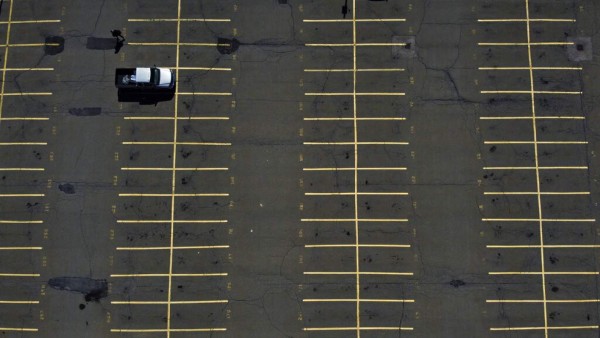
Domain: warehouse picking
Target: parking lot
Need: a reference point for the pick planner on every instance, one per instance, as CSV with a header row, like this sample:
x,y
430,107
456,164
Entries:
x,y
348,169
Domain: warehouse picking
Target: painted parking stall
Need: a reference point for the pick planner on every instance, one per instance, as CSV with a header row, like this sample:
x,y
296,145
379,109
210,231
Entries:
x,y
535,182
171,225
26,133
348,185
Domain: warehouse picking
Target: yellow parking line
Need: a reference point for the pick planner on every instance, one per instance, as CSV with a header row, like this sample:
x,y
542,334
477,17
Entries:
x,y
358,119
353,220
24,119
126,221
19,301
22,195
5,58
529,92
535,142
166,330
533,68
362,328
561,273
352,94
29,21
29,44
362,300
524,328
151,275
559,43
172,118
354,245
133,302
350,20
181,20
353,193
170,169
538,220
28,69
20,248
27,94
367,44
174,248
19,329
353,273
19,274
352,143
531,118
535,193
525,20
179,143
22,169
23,143
170,195
551,246
204,94
541,301
5,221
193,44
540,168
334,70
359,169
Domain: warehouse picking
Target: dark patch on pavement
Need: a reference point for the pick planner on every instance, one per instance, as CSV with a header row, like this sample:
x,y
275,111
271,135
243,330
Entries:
x,y
67,188
580,50
100,43
227,46
54,45
92,289
89,111
457,283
